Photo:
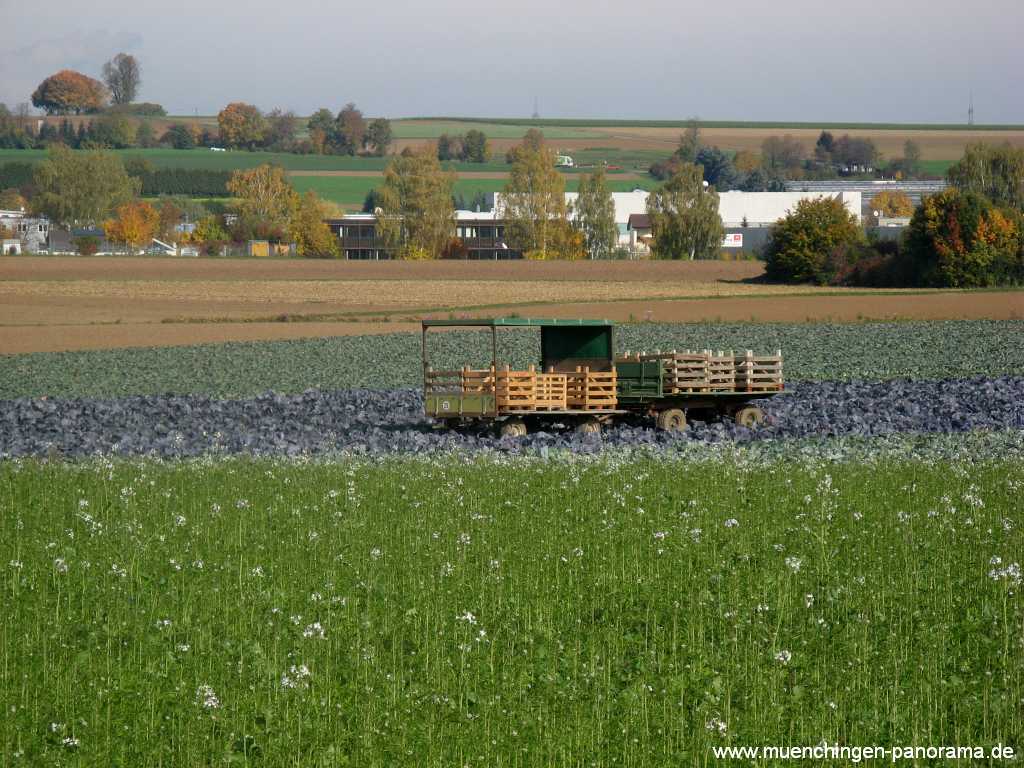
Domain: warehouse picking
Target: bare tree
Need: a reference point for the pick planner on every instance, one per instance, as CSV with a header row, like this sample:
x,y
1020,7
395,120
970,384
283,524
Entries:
x,y
122,76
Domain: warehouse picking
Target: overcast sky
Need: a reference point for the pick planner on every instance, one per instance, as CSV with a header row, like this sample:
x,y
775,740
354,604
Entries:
x,y
901,61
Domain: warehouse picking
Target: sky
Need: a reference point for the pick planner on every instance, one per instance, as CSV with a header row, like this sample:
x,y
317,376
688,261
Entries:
x,y
784,60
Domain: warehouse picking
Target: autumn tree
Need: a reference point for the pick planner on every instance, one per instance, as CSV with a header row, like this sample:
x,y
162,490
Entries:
x,y
746,161
594,215
533,141
241,125
69,92
82,187
961,240
135,225
281,129
122,76
263,196
379,136
418,217
893,202
307,229
112,131
351,128
684,217
533,201
997,172
911,158
782,154
801,243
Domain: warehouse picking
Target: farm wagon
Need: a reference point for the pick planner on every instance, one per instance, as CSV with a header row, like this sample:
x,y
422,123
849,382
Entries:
x,y
581,382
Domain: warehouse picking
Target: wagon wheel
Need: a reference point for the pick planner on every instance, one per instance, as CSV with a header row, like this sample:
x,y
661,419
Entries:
x,y
588,425
672,420
512,428
749,416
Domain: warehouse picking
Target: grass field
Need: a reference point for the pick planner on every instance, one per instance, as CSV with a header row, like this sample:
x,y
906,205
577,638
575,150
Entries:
x,y
507,612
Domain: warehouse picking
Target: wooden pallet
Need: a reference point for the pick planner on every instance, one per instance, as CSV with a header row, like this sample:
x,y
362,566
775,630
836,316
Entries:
x,y
591,390
759,374
515,390
551,392
692,371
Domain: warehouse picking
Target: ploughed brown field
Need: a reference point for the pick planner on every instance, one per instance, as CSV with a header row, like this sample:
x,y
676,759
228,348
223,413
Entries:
x,y
54,304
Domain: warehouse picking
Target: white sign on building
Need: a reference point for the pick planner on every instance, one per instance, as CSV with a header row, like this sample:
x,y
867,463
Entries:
x,y
733,240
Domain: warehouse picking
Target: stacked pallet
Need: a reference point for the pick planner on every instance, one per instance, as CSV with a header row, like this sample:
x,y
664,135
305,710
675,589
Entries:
x,y
515,390
692,371
759,374
551,392
591,390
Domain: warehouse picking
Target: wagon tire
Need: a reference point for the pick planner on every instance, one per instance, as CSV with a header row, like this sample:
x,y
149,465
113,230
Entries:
x,y
749,416
512,428
672,420
588,426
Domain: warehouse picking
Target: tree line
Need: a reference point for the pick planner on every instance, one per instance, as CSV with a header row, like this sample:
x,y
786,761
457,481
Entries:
x,y
784,158
970,235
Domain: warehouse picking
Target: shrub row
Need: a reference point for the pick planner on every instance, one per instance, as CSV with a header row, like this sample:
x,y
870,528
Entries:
x,y
193,182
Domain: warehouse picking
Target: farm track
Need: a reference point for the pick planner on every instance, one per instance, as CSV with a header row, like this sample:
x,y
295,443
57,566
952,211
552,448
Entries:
x,y
392,421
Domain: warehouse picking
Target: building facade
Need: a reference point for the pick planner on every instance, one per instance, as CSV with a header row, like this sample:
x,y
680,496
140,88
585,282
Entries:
x,y
475,235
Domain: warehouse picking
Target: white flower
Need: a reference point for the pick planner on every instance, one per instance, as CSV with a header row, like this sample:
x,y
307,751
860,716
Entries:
x,y
464,539
762,608
660,535
15,564
314,630
207,698
60,565
70,742
783,657
296,677
179,520
808,600
375,553
117,570
83,503
717,725
794,563
732,522
183,647
467,617
257,572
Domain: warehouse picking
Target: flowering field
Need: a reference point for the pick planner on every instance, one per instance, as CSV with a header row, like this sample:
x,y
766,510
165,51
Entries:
x,y
618,610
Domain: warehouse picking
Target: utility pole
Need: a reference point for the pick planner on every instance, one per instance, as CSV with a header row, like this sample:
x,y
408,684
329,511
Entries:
x,y
970,110
536,112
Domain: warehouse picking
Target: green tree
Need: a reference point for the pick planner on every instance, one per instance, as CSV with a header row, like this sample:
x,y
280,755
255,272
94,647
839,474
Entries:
x,y
448,147
961,240
113,131
379,136
911,158
689,142
322,130
533,201
595,215
417,218
82,187
684,217
280,132
997,172
312,237
801,243
475,147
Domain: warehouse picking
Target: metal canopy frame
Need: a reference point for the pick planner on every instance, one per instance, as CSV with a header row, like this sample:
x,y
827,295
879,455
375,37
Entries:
x,y
509,322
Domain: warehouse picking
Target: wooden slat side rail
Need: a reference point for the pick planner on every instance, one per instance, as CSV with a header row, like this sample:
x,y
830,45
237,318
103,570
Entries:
x,y
689,371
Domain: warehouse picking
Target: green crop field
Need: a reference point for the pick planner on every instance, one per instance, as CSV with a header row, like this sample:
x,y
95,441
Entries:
x,y
871,351
621,610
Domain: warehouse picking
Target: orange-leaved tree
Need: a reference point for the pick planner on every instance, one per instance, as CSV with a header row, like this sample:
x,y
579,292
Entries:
x,y
893,202
135,226
69,92
241,125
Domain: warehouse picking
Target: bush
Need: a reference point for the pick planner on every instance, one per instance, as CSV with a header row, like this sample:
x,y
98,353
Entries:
x,y
190,182
961,240
801,244
87,245
16,175
144,109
